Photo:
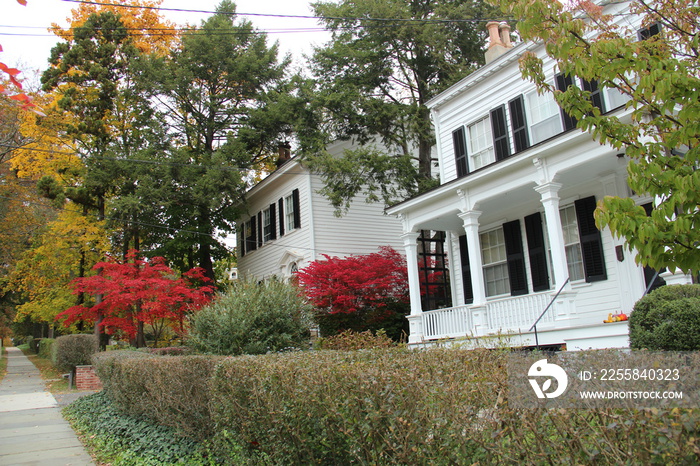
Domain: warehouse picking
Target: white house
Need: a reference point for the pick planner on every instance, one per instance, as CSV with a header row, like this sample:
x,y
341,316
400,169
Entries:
x,y
289,224
519,184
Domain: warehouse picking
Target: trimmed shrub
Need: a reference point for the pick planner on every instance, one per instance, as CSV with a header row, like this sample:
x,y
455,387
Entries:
x,y
45,347
29,341
349,340
172,391
168,351
74,350
252,318
667,319
388,406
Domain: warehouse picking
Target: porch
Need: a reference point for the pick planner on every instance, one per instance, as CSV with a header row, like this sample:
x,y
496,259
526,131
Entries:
x,y
509,315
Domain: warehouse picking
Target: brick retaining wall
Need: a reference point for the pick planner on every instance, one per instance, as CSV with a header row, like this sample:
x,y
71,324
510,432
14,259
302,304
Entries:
x,y
86,378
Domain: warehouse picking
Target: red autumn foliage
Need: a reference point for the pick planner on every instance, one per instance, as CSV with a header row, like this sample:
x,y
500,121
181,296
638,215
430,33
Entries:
x,y
12,73
138,291
355,283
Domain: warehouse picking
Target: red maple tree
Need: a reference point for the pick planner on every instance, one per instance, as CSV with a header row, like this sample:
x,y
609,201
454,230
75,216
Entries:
x,y
361,292
138,291
352,283
12,73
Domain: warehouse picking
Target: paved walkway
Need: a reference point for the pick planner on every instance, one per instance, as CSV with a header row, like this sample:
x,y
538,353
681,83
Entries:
x,y
32,430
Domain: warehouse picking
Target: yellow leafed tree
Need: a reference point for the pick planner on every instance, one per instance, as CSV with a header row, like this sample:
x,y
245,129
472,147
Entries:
x,y
150,32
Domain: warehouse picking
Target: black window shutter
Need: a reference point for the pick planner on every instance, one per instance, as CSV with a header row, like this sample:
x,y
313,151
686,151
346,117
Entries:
x,y
515,258
261,227
241,240
466,270
537,251
591,243
519,123
596,95
280,209
652,30
297,211
252,243
500,132
273,221
563,82
460,148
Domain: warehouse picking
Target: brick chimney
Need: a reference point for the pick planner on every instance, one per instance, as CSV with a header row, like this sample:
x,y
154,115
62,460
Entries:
x,y
284,153
499,40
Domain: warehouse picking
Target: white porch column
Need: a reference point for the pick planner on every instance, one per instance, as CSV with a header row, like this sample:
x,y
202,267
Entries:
x,y
549,193
480,323
471,228
410,244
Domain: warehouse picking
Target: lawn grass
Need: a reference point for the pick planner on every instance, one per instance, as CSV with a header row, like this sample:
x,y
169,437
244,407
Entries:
x,y
3,362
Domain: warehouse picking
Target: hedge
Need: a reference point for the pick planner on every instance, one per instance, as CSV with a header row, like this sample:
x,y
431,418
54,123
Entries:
x,y
74,350
170,390
383,406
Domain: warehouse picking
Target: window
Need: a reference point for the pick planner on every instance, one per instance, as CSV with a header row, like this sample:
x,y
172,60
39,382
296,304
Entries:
x,y
572,244
615,98
493,256
433,271
543,115
582,242
481,143
289,212
268,223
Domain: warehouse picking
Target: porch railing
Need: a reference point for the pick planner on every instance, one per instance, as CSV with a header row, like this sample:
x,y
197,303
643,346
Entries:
x,y
514,313
507,314
447,323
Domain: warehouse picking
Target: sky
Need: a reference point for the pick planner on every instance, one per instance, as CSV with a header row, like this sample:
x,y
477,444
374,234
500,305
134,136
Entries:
x,y
27,44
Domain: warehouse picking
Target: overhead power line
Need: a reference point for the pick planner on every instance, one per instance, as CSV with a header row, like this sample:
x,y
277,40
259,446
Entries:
x,y
272,15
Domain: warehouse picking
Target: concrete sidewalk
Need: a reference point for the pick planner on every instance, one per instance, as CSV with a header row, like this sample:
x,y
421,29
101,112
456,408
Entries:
x,y
32,429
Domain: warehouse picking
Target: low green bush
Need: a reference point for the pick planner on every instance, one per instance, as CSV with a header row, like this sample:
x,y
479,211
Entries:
x,y
45,347
252,318
74,350
668,318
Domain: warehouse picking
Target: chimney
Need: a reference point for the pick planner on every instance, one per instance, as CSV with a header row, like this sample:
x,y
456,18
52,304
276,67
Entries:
x,y
499,40
284,153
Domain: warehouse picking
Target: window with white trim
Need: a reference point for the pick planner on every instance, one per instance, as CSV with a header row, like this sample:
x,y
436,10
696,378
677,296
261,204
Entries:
x,y
481,143
267,225
494,258
289,212
572,243
543,116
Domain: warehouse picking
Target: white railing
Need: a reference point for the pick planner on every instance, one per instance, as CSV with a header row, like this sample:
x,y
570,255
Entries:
x,y
447,323
510,314
519,312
